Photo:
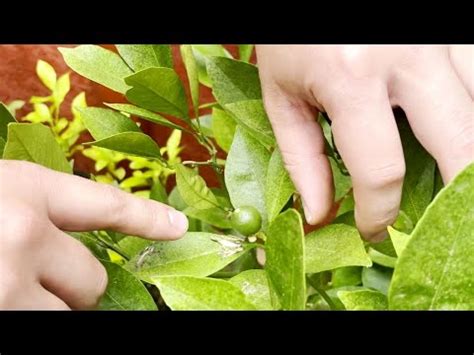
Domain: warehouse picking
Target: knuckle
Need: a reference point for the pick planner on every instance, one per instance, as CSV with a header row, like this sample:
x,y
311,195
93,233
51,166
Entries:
x,y
384,176
462,144
117,205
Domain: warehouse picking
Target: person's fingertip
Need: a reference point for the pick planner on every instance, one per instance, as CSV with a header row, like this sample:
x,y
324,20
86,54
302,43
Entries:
x,y
377,237
178,221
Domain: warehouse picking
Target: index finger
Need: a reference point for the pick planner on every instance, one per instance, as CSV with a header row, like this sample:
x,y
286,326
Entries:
x,y
78,204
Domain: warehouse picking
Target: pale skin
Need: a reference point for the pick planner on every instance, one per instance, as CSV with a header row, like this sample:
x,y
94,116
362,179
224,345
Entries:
x,y
41,267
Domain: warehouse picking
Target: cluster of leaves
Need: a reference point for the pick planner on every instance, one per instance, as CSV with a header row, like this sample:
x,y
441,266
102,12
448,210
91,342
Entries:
x,y
425,264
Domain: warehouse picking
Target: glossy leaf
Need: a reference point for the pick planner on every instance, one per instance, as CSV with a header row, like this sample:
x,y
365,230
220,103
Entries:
x,y
367,300
124,291
245,173
436,269
99,65
158,89
223,128
278,187
35,142
143,56
334,246
145,114
193,293
254,285
284,265
196,254
233,80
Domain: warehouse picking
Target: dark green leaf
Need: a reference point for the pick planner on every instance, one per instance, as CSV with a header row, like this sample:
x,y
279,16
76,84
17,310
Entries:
x,y
285,261
223,128
346,276
342,183
158,193
5,118
99,65
377,277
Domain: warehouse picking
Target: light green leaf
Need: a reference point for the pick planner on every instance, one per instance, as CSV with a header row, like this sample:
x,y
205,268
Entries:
x,y
245,173
192,71
103,123
278,187
342,183
377,278
382,259
245,52
233,80
346,276
202,53
436,269
99,65
14,106
193,293
46,73
175,200
145,114
35,143
384,247
284,265
363,300
223,128
251,115
132,143
125,291
5,118
132,246
143,56
193,189
62,88
419,178
213,216
399,240
160,90
254,284
334,246
196,254
205,121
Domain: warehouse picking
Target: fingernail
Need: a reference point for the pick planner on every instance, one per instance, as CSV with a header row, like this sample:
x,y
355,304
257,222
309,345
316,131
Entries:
x,y
178,220
308,214
379,237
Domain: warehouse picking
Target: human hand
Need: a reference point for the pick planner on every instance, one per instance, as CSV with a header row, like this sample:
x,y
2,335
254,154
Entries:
x,y
41,267
358,86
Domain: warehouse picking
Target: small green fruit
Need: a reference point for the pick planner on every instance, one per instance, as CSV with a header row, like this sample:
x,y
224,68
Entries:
x,y
246,220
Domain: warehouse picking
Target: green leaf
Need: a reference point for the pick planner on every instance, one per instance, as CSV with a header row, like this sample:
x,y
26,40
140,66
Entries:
x,y
346,207
419,178
202,53
205,121
363,300
175,200
192,71
90,242
342,183
124,291
346,276
143,56
193,293
158,89
284,265
245,173
254,284
132,246
99,65
5,118
103,123
63,85
46,73
193,189
382,259
436,269
223,128
145,114
2,146
251,115
233,80
213,216
158,193
377,278
13,106
334,246
35,143
132,143
399,240
245,52
196,254
278,187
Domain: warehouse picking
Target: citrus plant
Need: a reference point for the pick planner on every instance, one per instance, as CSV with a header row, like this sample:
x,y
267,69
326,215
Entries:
x,y
247,248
